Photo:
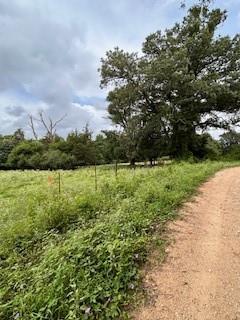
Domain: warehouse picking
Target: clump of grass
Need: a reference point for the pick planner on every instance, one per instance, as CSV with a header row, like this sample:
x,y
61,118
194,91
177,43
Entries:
x,y
76,255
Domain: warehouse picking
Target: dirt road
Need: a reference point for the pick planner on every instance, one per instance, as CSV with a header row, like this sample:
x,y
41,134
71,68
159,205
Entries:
x,y
200,279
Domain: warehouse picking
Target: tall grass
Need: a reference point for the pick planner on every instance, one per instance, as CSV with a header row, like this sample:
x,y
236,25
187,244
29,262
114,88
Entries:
x,y
76,255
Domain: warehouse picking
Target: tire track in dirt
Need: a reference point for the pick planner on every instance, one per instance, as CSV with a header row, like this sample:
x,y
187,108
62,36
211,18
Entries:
x,y
200,279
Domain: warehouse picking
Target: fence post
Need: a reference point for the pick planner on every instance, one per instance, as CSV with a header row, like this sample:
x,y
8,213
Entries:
x,y
59,182
116,168
95,173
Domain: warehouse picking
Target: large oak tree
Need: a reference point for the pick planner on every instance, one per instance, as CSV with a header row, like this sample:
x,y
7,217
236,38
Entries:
x,y
187,78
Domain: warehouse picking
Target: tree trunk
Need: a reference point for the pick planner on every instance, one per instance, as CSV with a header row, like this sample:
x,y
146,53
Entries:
x,y
182,139
132,162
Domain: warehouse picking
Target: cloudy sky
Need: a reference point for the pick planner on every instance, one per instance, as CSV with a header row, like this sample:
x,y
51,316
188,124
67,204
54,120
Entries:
x,y
50,51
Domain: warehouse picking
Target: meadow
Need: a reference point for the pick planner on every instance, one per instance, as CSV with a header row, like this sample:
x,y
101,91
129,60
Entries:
x,y
77,254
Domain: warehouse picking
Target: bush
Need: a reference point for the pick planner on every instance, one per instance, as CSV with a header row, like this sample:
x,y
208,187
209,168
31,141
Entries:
x,y
20,156
232,153
36,155
56,159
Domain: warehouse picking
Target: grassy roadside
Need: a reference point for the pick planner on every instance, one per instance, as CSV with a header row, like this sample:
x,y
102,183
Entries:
x,y
76,255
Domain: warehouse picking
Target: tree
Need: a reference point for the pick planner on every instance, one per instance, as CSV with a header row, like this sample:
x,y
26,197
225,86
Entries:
x,y
206,147
7,143
229,139
47,123
56,159
22,154
18,136
110,147
152,144
81,146
230,144
32,154
187,78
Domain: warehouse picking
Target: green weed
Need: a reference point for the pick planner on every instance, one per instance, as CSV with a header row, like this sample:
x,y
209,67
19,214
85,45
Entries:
x,y
76,255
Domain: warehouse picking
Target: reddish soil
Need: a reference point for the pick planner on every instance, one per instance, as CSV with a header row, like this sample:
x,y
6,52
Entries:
x,y
200,278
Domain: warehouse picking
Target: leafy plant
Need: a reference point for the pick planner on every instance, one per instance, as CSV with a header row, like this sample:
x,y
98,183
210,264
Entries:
x,y
76,255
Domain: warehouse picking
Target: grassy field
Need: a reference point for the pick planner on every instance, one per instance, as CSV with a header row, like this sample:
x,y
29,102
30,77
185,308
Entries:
x,y
76,255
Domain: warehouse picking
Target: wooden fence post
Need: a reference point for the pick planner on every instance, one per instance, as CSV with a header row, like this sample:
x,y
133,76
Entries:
x,y
95,173
59,182
116,168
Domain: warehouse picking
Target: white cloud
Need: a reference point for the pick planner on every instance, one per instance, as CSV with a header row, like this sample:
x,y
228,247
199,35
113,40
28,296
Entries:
x,y
50,51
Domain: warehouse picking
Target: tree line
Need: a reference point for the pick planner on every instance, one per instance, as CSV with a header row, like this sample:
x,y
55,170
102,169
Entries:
x,y
185,81
79,148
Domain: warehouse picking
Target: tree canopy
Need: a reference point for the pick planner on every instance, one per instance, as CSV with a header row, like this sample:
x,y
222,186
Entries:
x,y
186,79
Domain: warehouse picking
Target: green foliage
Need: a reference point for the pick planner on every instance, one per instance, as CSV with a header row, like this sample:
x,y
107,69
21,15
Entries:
x,y
76,255
232,153
205,147
213,149
56,159
78,149
110,147
186,78
230,144
7,143
20,156
229,139
81,146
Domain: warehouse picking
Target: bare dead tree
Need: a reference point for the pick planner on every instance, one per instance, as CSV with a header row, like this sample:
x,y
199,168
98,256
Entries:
x,y
31,124
48,123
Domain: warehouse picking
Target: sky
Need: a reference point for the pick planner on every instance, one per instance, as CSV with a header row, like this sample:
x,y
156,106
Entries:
x,y
50,52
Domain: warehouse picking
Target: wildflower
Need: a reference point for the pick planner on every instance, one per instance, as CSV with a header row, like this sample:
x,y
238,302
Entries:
x,y
88,310
131,286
